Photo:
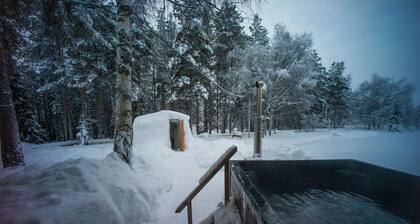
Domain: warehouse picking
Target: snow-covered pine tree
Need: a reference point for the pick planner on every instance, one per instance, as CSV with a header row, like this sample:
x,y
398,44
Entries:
x,y
26,102
166,30
338,94
416,117
144,70
320,93
89,54
395,120
191,62
47,57
228,35
259,34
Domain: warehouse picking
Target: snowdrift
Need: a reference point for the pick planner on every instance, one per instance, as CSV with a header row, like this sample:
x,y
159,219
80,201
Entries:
x,y
151,131
75,191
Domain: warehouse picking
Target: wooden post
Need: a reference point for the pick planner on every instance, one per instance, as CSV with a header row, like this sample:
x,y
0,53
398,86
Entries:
x,y
258,120
181,136
227,182
189,208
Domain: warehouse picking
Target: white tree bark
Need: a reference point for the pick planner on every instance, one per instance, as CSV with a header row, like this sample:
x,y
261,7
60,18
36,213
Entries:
x,y
123,138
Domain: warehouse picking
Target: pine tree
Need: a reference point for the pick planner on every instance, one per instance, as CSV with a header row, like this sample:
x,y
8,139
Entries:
x,y
320,93
228,35
259,34
166,29
395,120
338,94
26,102
191,63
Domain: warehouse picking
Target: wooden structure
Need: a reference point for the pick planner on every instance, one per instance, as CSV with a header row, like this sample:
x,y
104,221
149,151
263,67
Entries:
x,y
177,134
211,172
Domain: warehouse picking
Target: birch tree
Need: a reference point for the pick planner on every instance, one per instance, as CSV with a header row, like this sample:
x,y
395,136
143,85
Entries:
x,y
123,138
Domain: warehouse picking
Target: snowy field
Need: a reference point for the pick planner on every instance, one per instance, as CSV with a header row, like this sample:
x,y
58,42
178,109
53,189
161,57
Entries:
x,y
89,184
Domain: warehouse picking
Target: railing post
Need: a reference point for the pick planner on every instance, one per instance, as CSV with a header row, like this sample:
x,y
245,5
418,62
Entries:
x,y
189,208
227,182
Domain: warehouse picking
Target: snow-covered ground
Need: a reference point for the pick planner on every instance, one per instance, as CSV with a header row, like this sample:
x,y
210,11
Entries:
x,y
89,184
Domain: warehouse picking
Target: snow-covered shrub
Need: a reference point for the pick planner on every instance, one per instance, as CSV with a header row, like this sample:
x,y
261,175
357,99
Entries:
x,y
84,133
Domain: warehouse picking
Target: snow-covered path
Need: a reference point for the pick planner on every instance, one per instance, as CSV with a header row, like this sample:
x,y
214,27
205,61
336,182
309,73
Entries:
x,y
165,177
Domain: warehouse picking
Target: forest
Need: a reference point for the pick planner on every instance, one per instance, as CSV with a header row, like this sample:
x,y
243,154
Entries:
x,y
195,57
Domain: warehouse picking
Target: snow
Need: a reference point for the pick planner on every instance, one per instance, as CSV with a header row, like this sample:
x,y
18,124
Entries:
x,y
151,131
75,191
89,184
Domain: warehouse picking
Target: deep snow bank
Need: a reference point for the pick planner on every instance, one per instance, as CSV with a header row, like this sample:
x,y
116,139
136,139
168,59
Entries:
x,y
151,131
75,191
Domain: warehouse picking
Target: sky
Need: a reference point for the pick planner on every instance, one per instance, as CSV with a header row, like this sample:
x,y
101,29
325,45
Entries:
x,y
381,36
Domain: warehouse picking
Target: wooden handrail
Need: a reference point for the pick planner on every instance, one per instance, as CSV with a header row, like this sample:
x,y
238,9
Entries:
x,y
211,172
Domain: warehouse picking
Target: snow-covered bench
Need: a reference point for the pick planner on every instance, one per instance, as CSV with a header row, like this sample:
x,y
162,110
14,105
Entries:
x,y
237,134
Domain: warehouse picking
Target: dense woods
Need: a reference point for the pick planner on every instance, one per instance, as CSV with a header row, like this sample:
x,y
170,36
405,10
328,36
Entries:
x,y
196,57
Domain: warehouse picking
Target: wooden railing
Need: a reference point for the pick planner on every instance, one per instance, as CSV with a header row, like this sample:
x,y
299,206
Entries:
x,y
222,161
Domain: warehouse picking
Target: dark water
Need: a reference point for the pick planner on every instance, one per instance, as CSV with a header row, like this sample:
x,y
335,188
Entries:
x,y
325,206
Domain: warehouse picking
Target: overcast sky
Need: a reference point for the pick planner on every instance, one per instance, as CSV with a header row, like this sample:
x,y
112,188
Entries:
x,y
370,36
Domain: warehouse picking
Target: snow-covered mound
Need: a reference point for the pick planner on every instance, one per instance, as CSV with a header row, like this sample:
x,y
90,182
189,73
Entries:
x,y
151,131
75,191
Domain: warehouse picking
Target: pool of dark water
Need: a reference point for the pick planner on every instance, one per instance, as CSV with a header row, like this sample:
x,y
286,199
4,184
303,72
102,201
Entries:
x,y
327,206
325,191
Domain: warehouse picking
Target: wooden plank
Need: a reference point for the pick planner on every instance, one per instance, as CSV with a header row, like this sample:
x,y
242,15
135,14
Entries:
x,y
207,176
181,136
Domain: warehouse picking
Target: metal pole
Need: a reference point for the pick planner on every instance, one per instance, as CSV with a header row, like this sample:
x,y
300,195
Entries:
x,y
258,120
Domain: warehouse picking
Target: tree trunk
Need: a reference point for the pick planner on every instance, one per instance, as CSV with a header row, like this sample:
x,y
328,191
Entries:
x,y
197,113
205,116
83,103
99,109
249,117
123,138
68,132
270,124
217,109
210,110
11,148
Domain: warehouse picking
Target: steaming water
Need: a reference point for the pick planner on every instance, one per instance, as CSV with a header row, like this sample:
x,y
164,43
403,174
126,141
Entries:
x,y
323,207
